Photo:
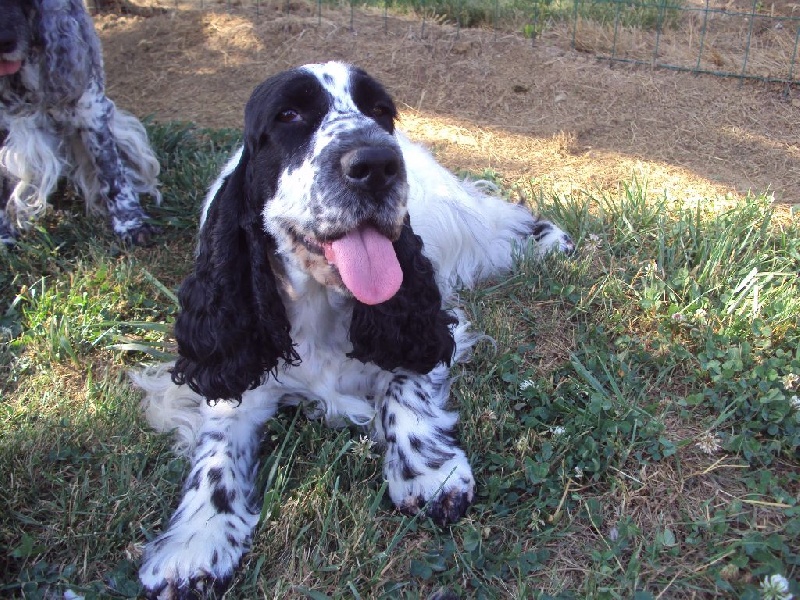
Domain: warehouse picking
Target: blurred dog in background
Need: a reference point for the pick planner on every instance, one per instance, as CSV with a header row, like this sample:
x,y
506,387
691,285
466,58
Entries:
x,y
55,120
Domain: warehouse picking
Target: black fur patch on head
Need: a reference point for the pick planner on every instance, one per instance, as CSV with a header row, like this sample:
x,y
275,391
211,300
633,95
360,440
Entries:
x,y
280,118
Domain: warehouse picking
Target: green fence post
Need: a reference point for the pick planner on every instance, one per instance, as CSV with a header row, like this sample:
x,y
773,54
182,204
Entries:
x,y
794,52
574,22
496,13
702,38
749,36
617,9
662,9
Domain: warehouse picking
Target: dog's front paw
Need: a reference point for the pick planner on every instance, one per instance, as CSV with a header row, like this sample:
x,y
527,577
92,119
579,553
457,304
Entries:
x,y
140,234
444,486
195,558
8,234
551,238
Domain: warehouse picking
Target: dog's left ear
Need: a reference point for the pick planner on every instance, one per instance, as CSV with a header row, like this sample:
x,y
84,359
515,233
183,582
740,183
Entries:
x,y
410,330
70,45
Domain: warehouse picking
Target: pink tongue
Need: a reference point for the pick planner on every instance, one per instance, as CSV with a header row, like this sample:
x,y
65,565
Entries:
x,y
9,67
367,264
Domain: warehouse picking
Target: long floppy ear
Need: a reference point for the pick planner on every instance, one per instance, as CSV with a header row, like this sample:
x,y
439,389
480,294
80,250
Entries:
x,y
72,51
232,329
410,330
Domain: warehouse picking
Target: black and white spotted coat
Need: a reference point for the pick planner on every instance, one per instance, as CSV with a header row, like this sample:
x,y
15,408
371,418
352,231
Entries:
x,y
269,316
55,120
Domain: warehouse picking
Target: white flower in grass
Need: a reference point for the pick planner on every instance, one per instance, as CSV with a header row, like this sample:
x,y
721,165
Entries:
x,y
488,415
593,242
363,447
578,473
650,267
795,402
775,587
678,317
729,572
526,385
700,314
556,431
790,381
708,443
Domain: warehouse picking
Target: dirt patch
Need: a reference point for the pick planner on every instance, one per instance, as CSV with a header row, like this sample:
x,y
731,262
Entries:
x,y
481,99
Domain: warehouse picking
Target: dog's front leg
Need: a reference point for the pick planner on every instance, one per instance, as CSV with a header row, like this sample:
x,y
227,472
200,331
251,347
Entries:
x,y
424,465
128,219
8,233
212,527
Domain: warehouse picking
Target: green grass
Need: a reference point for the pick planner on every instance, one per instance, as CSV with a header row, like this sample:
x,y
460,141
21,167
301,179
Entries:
x,y
634,433
532,17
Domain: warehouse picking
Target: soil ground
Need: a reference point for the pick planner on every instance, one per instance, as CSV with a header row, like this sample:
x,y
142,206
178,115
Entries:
x,y
533,112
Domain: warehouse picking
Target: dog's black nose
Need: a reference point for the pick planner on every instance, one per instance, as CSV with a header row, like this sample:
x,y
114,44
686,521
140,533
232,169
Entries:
x,y
372,168
8,42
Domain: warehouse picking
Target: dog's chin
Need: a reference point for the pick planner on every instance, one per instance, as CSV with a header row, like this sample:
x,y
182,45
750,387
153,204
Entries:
x,y
361,263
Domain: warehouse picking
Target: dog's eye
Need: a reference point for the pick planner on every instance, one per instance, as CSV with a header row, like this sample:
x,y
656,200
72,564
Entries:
x,y
289,116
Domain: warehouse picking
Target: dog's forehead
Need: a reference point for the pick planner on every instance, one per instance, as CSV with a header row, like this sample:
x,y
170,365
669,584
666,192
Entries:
x,y
336,79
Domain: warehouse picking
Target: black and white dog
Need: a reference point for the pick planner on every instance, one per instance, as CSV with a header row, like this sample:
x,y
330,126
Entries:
x,y
330,248
55,120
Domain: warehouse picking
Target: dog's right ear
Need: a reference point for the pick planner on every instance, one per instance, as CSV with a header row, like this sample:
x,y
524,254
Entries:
x,y
232,328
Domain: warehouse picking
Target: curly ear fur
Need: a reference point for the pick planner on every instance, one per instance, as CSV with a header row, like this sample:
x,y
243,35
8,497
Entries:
x,y
232,328
65,29
409,331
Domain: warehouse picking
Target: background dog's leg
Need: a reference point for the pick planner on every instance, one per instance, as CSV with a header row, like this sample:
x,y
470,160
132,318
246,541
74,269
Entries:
x,y
424,466
8,234
211,529
128,219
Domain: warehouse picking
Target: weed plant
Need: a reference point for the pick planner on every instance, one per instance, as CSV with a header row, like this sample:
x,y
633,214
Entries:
x,y
633,426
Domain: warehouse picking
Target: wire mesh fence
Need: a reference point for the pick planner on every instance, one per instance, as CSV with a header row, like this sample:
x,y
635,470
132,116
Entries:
x,y
743,39
753,42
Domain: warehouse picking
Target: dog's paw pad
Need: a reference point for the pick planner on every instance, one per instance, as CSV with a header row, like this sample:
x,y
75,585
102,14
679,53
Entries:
x,y
197,587
444,492
140,236
449,506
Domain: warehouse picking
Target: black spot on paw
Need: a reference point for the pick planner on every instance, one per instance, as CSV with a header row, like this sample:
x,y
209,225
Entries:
x,y
541,229
412,505
568,246
407,472
221,498
214,475
193,483
202,587
154,593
